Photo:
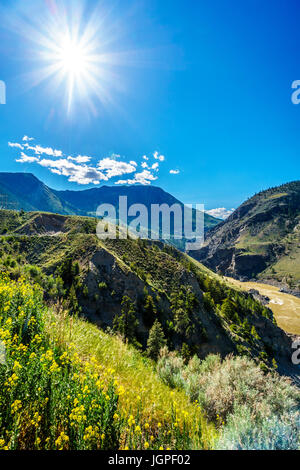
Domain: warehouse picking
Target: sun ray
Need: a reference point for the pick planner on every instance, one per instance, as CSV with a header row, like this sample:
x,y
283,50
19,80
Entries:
x,y
78,51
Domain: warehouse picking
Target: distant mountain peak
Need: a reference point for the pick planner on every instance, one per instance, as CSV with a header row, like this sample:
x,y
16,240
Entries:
x,y
31,194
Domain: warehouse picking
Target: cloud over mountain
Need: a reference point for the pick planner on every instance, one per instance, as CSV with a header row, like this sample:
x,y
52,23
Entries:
x,y
80,169
220,212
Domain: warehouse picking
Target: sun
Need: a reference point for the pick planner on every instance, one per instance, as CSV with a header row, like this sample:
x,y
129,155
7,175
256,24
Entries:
x,y
71,51
72,57
79,51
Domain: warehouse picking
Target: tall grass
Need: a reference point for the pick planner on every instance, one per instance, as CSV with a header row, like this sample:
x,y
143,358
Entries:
x,y
66,385
49,398
143,393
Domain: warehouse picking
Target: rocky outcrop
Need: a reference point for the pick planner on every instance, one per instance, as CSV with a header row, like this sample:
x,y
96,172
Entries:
x,y
261,298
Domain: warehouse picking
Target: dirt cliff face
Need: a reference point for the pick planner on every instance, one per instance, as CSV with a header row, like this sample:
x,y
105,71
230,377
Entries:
x,y
260,239
101,305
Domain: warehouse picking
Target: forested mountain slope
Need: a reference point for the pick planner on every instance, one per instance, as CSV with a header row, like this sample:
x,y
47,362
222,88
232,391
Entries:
x,y
261,239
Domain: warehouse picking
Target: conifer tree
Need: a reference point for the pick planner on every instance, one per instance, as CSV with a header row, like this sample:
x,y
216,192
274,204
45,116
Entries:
x,y
227,309
126,323
72,301
156,340
150,311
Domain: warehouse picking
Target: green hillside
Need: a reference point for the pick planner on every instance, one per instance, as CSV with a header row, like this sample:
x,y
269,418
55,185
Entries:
x,y
198,313
261,239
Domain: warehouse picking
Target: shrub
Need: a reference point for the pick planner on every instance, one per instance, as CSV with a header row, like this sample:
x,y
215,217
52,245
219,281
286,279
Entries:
x,y
239,380
273,433
169,368
195,370
220,387
102,285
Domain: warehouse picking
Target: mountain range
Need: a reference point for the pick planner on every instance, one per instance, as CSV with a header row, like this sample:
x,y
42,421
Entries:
x,y
260,240
30,194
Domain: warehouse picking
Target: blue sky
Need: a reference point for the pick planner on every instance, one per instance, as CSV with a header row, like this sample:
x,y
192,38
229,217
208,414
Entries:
x,y
199,88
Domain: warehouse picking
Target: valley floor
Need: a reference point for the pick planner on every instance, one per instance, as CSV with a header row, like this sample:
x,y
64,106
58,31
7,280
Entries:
x,y
285,307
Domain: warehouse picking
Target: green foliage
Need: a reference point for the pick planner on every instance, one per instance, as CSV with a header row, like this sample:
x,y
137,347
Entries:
x,y
208,302
254,333
72,302
185,353
169,368
102,285
182,304
149,311
69,271
156,340
227,309
85,291
126,323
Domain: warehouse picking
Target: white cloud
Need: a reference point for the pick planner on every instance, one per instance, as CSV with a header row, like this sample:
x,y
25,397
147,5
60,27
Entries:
x,y
38,150
159,157
79,169
26,159
115,168
220,212
144,178
80,159
174,172
81,174
15,145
